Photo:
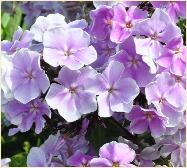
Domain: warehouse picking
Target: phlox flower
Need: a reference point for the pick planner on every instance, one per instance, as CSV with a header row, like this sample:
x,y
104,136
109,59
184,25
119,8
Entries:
x,y
25,78
68,47
116,92
123,22
175,9
102,19
114,154
43,24
159,28
146,119
70,96
135,67
20,40
24,115
168,95
173,56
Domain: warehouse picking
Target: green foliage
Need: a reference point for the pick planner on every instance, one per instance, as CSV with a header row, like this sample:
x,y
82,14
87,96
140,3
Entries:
x,y
19,160
10,23
98,135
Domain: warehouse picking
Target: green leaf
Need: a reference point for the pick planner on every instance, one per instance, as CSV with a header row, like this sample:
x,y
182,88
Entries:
x,y
19,160
5,19
26,146
98,135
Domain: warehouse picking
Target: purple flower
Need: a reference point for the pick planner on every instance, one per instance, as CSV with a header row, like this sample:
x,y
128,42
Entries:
x,y
36,158
133,63
105,49
101,22
166,94
6,61
114,154
116,92
43,24
147,155
173,56
26,79
5,162
123,22
24,115
56,150
79,159
70,96
20,40
151,45
68,47
144,119
176,146
174,9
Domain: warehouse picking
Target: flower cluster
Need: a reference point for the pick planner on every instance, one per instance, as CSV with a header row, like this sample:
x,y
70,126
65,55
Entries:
x,y
127,62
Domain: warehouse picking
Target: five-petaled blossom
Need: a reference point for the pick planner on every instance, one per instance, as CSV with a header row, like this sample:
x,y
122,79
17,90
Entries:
x,y
69,47
25,78
70,96
116,91
114,154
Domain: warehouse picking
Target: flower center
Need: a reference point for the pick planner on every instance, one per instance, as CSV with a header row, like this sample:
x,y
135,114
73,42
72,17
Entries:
x,y
29,75
149,115
154,36
115,164
177,51
178,79
72,90
67,53
134,62
111,89
162,100
128,25
108,22
34,107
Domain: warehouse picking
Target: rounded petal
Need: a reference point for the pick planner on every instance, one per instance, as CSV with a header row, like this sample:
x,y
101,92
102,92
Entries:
x,y
36,158
112,73
115,152
104,105
100,162
86,56
127,89
157,127
139,126
27,91
86,102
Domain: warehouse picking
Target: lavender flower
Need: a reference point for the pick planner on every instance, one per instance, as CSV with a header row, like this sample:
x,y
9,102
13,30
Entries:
x,y
56,150
175,9
112,154
166,95
133,63
70,96
5,162
24,115
173,56
79,159
155,34
101,22
70,47
176,146
116,92
105,49
25,78
43,24
144,119
6,61
20,40
123,22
